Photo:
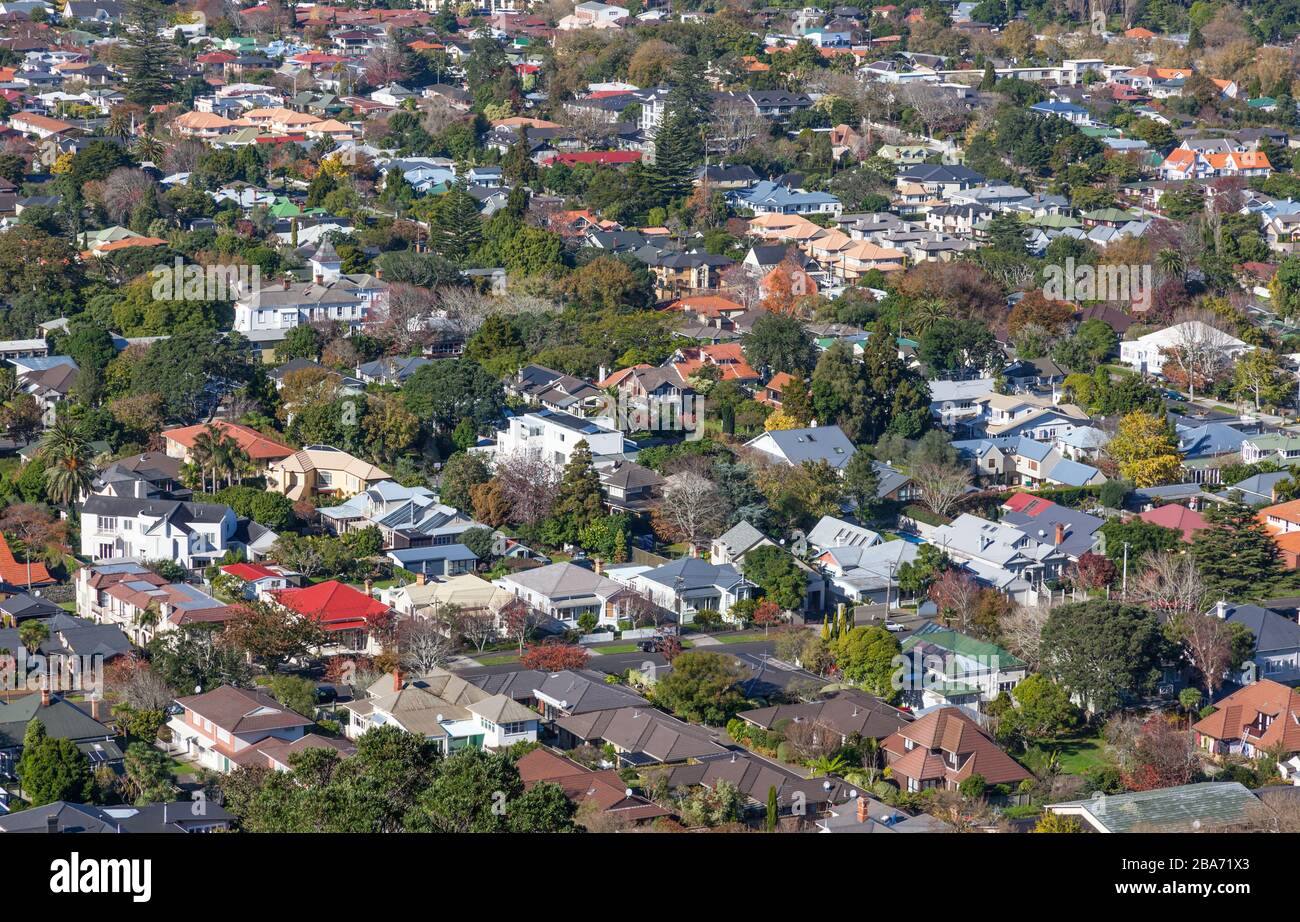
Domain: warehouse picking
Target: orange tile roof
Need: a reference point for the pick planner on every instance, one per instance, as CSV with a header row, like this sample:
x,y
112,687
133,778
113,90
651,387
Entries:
x,y
18,573
257,446
1288,511
1241,709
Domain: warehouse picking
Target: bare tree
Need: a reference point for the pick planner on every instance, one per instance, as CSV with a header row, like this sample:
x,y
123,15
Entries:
x,y
479,628
1207,644
734,126
941,484
403,319
1022,627
463,309
937,108
1198,348
1170,584
811,739
424,644
528,484
691,505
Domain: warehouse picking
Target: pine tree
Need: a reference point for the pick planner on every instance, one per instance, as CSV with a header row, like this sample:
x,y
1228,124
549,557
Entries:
x,y
147,57
771,809
579,500
455,229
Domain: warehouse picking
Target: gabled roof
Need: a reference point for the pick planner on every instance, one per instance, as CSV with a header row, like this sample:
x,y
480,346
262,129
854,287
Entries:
x,y
243,711
334,605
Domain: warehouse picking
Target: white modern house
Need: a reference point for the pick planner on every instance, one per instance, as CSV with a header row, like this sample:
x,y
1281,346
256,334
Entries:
x,y
687,586
566,592
552,436
194,535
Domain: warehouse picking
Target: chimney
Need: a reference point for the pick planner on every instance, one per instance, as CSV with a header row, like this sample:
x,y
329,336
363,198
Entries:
x,y
421,579
599,566
52,823
863,814
1060,534
286,283
1221,609
379,273
45,695
370,587
94,708
695,551
397,679
320,279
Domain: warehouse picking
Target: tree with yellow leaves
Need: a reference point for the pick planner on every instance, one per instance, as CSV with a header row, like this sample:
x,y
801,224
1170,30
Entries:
x,y
1146,450
779,419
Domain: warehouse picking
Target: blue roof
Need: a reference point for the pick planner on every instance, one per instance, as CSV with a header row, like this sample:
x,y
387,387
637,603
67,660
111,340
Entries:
x,y
1056,108
775,195
1072,473
1210,439
816,443
434,552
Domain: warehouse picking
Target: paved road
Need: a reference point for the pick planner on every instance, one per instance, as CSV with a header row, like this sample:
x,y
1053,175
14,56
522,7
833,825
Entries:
x,y
621,662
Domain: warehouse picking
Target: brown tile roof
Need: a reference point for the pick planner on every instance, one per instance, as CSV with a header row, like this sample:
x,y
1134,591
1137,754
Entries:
x,y
848,712
606,789
949,732
242,711
1278,703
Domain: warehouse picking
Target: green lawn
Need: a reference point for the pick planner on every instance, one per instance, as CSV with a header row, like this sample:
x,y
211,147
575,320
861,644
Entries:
x,y
498,660
1077,756
737,638
614,648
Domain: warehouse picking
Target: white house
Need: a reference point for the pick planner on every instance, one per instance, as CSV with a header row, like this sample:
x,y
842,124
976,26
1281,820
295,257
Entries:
x,y
687,586
1149,354
552,436
193,535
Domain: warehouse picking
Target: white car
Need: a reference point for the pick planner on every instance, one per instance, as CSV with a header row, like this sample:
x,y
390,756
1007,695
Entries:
x,y
895,626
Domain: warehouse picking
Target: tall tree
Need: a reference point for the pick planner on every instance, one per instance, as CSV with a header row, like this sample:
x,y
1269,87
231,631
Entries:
x,y
147,56
69,468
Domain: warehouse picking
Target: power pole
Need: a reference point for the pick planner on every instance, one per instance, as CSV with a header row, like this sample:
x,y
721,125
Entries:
x,y
1125,589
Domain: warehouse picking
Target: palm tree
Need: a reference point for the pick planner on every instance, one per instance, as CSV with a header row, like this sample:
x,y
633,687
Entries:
x,y
69,464
827,765
149,149
925,314
32,634
204,454
1171,263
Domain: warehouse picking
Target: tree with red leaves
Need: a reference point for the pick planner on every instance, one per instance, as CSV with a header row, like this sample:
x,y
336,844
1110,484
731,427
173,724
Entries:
x,y
1093,571
554,657
767,613
1161,756
955,592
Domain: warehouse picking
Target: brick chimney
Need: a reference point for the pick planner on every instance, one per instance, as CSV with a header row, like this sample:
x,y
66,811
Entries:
x,y
421,579
45,694
94,708
370,588
599,566
397,679
1060,534
863,814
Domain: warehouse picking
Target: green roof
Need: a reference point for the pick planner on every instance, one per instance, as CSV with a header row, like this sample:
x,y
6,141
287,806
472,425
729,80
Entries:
x,y
1209,805
965,645
1055,220
1100,132
1261,103
1110,214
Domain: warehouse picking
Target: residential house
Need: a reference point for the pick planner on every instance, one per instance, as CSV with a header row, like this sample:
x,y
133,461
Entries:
x,y
944,748
1149,354
193,535
261,451
605,793
639,736
217,729
1207,806
949,668
1001,555
553,436
445,709
687,586
142,603
1276,651
62,720
866,574
349,618
1258,720
566,592
321,470
797,446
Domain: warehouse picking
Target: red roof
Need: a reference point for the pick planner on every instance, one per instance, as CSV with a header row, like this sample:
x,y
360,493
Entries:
x,y
15,572
335,606
1027,503
606,157
1177,517
250,572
